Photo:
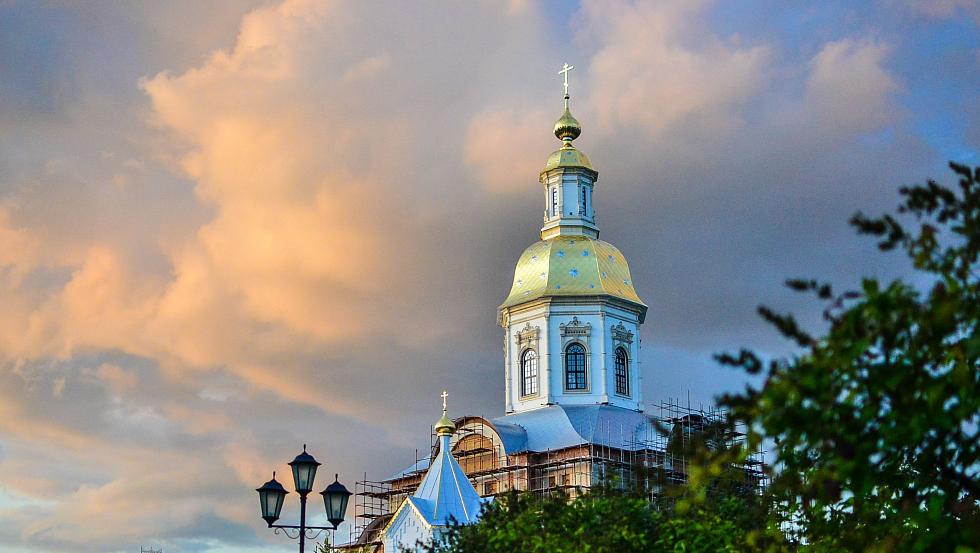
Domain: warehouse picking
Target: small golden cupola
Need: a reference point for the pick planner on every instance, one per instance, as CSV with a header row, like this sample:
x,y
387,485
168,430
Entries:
x,y
445,426
569,179
567,129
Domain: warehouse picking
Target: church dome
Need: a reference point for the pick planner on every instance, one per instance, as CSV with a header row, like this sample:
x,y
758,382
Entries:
x,y
571,266
567,156
567,127
445,425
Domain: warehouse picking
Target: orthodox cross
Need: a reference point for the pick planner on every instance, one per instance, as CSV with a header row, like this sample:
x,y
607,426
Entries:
x,y
564,73
445,395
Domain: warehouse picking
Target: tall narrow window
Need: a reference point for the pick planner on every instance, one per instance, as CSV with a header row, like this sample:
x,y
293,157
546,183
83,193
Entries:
x,y
585,202
529,373
554,201
575,367
622,372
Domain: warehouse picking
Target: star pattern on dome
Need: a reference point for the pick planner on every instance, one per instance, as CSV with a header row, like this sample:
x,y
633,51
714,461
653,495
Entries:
x,y
570,265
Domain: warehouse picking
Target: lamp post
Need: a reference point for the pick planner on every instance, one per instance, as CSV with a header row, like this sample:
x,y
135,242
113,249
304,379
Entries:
x,y
272,494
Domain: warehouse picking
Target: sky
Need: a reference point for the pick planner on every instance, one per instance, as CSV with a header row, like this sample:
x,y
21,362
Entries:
x,y
231,228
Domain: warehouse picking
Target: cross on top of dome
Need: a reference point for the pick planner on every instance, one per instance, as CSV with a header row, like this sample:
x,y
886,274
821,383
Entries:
x,y
567,128
564,73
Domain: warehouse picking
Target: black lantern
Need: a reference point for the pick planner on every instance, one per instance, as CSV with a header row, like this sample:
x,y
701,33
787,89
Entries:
x,y
271,495
335,498
304,471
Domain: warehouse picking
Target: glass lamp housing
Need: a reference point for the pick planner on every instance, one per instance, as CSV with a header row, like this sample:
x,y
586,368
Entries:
x,y
335,498
271,496
304,471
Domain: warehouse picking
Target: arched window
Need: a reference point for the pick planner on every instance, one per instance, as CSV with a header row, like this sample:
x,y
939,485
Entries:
x,y
575,367
622,372
529,373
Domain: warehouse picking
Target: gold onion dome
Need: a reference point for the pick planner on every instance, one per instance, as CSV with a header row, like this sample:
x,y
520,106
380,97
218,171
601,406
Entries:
x,y
567,128
445,426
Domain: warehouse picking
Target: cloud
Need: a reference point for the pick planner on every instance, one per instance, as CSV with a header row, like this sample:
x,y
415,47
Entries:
x,y
505,146
945,8
299,232
118,379
848,89
659,66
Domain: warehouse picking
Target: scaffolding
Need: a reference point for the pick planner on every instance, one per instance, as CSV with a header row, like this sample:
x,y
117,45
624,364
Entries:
x,y
372,510
656,458
679,433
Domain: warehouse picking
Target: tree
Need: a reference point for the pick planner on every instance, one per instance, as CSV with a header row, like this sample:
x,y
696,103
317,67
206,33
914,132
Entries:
x,y
605,522
719,509
875,424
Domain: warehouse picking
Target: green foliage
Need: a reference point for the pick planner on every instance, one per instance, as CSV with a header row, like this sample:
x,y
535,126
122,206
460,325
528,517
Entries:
x,y
875,424
605,523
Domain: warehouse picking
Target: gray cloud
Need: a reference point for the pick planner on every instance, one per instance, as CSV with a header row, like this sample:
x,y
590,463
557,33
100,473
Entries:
x,y
215,247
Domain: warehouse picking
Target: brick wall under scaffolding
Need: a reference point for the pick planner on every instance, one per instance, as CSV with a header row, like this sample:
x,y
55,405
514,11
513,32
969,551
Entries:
x,y
573,470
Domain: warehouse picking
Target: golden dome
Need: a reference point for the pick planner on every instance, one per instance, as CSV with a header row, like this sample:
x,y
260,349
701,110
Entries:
x,y
445,426
567,156
572,266
567,127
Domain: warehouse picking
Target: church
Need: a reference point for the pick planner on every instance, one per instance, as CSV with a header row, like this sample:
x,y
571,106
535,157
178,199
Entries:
x,y
574,413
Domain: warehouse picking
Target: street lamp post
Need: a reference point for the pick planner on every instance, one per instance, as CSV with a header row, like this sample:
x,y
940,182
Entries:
x,y
272,494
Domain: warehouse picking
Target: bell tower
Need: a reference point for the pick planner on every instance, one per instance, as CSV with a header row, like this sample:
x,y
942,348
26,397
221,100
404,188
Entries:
x,y
568,180
572,317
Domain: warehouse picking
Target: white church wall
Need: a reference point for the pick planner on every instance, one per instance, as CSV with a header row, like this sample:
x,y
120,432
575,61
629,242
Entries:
x,y
535,320
406,532
588,332
548,328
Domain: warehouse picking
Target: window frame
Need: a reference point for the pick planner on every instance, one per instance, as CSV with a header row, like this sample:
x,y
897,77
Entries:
x,y
623,378
584,369
524,378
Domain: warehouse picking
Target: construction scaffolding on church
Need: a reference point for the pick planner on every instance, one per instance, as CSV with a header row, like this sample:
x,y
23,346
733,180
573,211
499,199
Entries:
x,y
573,381
616,456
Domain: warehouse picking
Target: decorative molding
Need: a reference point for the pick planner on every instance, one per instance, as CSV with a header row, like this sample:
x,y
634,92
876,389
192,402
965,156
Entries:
x,y
527,337
575,329
621,335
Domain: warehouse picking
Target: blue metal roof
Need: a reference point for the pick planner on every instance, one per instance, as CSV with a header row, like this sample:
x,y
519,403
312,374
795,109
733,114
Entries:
x,y
514,436
556,427
561,426
446,493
